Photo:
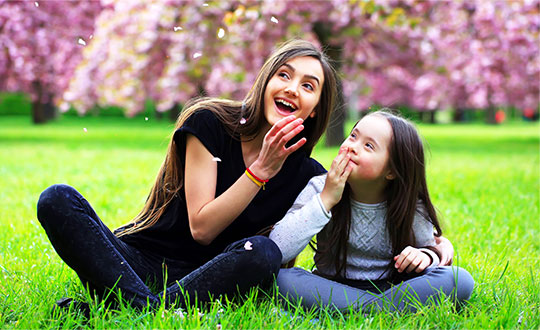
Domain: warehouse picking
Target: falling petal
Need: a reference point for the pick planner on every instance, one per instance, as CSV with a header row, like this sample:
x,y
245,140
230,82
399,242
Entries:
x,y
221,33
179,313
85,130
177,28
216,159
243,121
274,20
81,42
91,36
205,5
197,54
199,313
146,118
248,245
36,3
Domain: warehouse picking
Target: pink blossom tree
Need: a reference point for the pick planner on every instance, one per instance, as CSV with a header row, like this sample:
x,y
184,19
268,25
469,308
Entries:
x,y
40,46
423,54
480,54
189,48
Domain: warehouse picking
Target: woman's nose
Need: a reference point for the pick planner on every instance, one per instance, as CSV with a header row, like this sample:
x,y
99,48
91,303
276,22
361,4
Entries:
x,y
292,90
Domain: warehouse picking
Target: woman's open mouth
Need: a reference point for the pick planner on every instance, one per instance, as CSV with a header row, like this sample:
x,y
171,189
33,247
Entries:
x,y
285,106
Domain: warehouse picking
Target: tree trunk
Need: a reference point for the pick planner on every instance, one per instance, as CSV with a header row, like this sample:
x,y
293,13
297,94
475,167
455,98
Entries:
x,y
42,110
428,116
336,127
490,115
38,113
335,130
174,112
459,115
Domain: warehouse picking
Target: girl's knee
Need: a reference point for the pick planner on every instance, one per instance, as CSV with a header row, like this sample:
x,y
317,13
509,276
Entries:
x,y
464,284
288,277
461,279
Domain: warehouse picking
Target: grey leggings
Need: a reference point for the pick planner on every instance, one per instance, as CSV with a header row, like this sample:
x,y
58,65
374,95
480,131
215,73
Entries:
x,y
316,291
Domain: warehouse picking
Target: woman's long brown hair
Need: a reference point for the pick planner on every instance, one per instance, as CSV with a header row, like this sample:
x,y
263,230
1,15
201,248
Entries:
x,y
170,178
407,162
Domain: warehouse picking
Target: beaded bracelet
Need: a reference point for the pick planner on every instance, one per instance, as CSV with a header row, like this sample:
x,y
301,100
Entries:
x,y
259,182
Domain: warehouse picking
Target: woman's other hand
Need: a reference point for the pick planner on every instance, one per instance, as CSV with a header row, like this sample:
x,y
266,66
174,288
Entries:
x,y
274,151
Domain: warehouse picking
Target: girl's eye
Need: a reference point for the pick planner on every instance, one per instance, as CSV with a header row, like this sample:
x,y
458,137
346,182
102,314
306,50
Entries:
x,y
369,145
352,136
283,75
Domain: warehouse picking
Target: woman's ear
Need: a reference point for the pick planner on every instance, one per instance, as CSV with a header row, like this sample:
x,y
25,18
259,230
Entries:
x,y
312,114
390,176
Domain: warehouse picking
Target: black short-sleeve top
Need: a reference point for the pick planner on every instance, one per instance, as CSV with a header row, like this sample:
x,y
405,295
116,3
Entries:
x,y
171,236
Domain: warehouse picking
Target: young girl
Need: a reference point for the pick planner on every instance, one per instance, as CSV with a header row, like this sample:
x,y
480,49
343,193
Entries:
x,y
231,170
372,214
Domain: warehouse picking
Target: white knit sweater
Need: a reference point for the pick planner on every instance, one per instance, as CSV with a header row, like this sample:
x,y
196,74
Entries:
x,y
369,246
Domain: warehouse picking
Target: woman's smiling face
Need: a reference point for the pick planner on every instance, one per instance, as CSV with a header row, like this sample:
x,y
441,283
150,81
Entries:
x,y
295,89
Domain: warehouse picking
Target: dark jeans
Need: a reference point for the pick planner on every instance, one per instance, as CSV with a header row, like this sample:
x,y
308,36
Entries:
x,y
103,261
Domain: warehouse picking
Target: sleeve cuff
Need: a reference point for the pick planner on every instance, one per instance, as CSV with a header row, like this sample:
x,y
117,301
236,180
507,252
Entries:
x,y
323,209
434,257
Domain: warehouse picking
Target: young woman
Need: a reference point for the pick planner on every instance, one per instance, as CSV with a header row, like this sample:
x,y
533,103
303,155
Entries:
x,y
372,215
232,169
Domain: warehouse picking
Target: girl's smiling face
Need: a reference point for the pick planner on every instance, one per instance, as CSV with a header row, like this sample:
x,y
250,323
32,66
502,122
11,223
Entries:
x,y
295,89
368,146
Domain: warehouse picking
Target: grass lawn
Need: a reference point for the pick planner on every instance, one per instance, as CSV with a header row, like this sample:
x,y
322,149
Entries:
x,y
483,179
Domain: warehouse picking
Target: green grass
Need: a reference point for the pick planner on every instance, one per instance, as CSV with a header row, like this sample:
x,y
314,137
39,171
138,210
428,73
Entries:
x,y
483,179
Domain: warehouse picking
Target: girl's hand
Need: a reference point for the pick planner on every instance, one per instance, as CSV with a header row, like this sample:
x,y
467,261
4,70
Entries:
x,y
412,259
273,152
336,179
445,249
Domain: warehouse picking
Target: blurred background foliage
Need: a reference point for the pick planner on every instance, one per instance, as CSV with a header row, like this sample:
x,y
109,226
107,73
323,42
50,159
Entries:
x,y
466,59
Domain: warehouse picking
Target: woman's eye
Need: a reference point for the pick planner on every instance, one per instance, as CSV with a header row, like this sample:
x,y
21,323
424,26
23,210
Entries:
x,y
352,136
369,145
309,86
283,75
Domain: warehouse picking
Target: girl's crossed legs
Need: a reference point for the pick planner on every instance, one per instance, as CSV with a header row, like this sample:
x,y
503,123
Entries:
x,y
103,261
316,291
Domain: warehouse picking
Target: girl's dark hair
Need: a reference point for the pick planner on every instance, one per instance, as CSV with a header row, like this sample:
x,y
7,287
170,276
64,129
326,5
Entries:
x,y
170,178
403,195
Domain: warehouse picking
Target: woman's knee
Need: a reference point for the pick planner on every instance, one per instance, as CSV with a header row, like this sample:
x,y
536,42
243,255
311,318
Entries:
x,y
53,200
266,254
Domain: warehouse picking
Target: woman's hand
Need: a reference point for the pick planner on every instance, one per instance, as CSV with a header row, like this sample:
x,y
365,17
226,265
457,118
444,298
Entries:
x,y
336,179
273,152
411,259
